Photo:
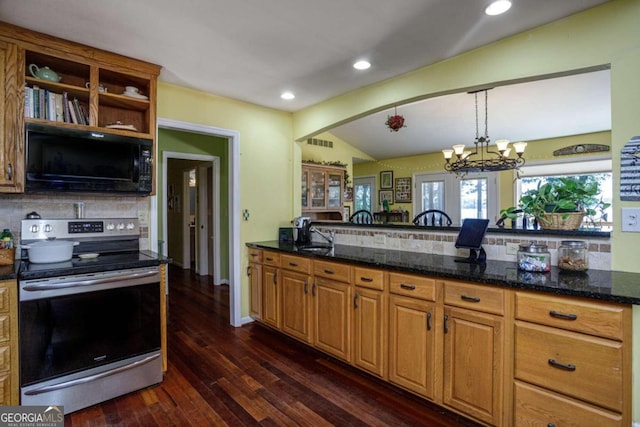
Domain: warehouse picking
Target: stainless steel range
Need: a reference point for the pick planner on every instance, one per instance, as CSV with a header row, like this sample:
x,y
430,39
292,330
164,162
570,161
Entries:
x,y
90,326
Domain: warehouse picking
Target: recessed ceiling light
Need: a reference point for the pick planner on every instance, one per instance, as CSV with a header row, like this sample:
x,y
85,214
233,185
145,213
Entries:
x,y
362,65
287,95
497,7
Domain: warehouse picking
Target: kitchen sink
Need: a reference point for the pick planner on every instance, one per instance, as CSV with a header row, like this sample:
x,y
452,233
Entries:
x,y
322,249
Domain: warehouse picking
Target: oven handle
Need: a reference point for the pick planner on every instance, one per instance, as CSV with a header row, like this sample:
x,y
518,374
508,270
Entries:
x,y
90,378
46,287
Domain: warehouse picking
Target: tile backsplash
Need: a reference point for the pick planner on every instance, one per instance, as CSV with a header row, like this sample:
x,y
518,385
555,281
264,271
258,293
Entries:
x,y
443,243
14,207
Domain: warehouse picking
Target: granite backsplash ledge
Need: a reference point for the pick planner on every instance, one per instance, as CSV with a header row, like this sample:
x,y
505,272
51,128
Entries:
x,y
441,242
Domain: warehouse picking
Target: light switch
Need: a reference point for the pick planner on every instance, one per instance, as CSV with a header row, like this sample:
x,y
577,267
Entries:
x,y
631,219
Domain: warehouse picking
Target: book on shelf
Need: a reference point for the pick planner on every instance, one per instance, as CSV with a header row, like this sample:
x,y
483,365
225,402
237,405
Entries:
x,y
66,113
28,102
59,117
76,109
72,112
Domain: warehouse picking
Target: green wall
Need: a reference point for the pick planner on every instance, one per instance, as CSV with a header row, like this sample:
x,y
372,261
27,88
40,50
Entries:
x,y
193,143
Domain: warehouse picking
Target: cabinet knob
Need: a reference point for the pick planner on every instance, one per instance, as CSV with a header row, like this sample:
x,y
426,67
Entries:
x,y
9,171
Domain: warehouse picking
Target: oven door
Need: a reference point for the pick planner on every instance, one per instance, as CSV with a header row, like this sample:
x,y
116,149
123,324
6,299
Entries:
x,y
76,323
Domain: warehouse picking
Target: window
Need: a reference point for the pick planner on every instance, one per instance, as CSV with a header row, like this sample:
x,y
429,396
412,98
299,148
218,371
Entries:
x,y
599,170
474,196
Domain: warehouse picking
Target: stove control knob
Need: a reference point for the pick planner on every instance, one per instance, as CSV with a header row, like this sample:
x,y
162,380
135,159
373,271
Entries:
x,y
111,227
47,228
34,228
121,226
130,226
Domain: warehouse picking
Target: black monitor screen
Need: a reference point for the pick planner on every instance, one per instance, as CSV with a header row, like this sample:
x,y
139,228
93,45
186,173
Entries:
x,y
472,233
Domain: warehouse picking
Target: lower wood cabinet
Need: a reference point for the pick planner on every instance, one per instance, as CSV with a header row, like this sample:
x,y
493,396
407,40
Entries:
x,y
271,301
498,356
332,320
412,344
296,305
369,330
254,271
473,363
8,343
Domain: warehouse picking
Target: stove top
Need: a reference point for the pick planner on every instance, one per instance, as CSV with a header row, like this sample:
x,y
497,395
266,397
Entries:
x,y
106,262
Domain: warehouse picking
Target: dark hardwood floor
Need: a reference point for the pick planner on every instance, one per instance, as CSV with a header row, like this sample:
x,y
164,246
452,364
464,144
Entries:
x,y
220,375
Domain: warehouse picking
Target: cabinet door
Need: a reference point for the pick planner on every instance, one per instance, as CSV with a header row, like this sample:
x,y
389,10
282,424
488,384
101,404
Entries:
x,y
270,296
332,325
255,284
334,189
412,344
296,307
11,120
318,189
473,363
305,188
369,320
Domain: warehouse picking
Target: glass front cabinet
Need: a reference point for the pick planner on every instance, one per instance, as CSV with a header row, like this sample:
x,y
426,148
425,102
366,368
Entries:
x,y
322,191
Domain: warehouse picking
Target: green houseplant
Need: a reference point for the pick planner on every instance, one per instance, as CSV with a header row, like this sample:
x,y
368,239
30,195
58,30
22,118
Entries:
x,y
561,203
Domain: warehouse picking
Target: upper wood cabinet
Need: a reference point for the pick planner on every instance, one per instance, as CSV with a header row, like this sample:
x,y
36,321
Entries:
x,y
322,191
11,132
92,80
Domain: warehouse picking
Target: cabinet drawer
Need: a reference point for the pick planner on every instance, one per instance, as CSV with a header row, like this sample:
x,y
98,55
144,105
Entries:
x,y
537,407
369,278
475,297
413,286
271,258
581,366
296,263
255,255
590,317
332,270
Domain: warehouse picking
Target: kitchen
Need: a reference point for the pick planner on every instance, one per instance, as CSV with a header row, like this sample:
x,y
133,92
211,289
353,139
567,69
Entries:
x,y
180,104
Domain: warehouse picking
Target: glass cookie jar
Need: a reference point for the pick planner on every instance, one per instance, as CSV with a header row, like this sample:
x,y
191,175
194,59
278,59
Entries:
x,y
573,255
534,257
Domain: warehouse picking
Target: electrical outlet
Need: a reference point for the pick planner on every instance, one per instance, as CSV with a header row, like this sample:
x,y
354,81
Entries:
x,y
379,239
631,219
512,248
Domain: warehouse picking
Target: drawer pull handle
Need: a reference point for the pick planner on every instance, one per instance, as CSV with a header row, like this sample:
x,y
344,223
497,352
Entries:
x,y
559,365
269,259
446,318
293,264
355,300
409,287
554,313
551,425
249,271
428,321
254,254
313,289
468,298
306,287
329,271
275,278
366,279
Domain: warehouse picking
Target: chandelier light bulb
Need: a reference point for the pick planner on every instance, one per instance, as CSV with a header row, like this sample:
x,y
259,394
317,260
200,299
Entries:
x,y
447,153
506,152
458,149
502,144
465,154
519,147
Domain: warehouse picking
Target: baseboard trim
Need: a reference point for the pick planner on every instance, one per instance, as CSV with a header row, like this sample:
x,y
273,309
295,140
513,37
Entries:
x,y
249,319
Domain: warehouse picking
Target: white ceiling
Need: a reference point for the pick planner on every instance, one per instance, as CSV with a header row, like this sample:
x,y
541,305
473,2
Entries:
x,y
252,50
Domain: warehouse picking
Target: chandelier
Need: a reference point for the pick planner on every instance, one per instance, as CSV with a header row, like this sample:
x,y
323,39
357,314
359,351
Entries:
x,y
483,158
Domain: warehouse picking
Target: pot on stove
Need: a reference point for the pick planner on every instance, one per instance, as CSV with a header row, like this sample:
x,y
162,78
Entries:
x,y
49,251
33,215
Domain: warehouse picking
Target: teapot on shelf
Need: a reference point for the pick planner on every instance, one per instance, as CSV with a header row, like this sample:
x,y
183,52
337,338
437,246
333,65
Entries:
x,y
44,73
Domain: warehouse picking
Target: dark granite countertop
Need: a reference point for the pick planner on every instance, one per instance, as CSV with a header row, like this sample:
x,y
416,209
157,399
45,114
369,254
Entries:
x,y
613,286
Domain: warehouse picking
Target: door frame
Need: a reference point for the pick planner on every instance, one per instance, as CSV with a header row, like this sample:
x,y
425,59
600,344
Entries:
x,y
233,138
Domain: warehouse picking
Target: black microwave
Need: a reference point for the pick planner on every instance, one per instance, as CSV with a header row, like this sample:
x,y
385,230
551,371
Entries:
x,y
59,159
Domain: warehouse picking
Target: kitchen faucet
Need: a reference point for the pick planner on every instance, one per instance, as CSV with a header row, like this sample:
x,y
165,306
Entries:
x,y
330,238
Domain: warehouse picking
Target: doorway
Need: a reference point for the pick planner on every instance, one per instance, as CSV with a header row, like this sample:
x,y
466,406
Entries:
x,y
158,207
